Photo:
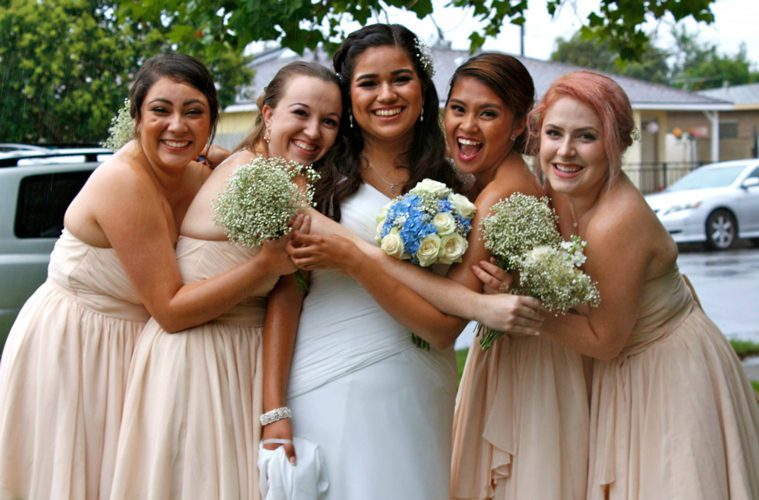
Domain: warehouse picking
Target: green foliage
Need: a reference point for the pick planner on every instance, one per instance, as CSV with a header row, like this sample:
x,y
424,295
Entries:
x,y
594,54
461,355
66,65
699,66
745,348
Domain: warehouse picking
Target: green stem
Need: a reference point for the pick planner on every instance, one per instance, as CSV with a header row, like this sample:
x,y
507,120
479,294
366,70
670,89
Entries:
x,y
490,336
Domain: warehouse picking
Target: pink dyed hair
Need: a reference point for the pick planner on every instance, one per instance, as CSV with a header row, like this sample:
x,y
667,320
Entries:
x,y
605,97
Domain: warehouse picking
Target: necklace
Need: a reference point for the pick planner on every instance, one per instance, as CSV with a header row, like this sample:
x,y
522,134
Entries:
x,y
392,186
574,217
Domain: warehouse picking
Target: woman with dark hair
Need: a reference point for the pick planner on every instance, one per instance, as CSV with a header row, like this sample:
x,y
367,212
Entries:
x,y
378,406
191,413
64,368
672,413
521,422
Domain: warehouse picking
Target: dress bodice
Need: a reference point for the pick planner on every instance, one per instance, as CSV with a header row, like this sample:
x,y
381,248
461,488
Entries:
x,y
202,259
342,327
666,300
96,277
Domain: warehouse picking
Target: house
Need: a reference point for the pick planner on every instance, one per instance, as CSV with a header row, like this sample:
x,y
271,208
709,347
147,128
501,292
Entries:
x,y
659,158
739,127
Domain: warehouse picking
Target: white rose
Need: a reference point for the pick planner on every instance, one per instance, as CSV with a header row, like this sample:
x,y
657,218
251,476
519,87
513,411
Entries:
x,y
392,244
428,250
452,248
444,223
432,187
462,204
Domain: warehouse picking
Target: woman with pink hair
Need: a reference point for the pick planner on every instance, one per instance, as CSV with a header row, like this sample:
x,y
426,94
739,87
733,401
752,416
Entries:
x,y
672,413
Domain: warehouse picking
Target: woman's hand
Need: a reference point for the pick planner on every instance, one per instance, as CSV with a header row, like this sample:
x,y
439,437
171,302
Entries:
x,y
281,429
511,314
311,252
494,279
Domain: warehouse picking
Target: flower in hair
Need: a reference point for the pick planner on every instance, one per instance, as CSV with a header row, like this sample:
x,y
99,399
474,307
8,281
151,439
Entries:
x,y
424,55
121,129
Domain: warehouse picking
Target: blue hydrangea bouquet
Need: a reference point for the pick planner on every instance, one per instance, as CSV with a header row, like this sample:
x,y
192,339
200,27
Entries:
x,y
428,225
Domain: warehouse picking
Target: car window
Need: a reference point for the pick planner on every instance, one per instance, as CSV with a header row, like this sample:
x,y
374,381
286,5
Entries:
x,y
707,178
42,201
755,173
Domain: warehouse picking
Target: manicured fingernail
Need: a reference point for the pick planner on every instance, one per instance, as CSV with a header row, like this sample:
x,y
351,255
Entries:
x,y
292,460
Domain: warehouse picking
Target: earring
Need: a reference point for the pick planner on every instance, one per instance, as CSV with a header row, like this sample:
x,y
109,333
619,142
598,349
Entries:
x,y
350,119
513,138
267,136
421,115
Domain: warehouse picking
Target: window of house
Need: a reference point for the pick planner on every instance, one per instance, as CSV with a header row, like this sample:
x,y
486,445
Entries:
x,y
728,130
42,201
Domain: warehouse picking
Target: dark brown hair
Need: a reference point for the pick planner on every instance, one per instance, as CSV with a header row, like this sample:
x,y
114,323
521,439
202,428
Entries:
x,y
180,68
341,175
508,78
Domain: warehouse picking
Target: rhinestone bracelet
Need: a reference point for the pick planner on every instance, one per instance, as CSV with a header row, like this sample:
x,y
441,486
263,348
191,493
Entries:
x,y
275,415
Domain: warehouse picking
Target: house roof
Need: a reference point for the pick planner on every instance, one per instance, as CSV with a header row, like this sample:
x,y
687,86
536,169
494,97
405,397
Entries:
x,y
643,95
742,96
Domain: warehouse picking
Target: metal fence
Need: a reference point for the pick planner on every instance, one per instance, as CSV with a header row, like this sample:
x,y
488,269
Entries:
x,y
653,177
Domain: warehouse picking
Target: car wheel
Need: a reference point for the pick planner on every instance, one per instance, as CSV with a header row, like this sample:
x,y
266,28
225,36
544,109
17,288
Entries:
x,y
721,230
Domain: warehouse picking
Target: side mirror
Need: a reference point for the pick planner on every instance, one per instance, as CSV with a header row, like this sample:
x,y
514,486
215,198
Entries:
x,y
750,182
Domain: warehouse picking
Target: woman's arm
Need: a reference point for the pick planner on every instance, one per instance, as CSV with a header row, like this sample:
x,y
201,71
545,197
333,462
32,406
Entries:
x,y
136,221
620,257
504,312
283,308
398,300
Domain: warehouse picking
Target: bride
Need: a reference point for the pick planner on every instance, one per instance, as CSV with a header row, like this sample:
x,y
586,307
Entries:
x,y
379,407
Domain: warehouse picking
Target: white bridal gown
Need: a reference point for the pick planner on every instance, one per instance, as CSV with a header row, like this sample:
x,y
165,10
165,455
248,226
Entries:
x,y
379,407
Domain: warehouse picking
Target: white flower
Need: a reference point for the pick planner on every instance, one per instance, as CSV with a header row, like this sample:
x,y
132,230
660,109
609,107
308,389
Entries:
x,y
452,248
428,250
444,223
392,244
462,204
428,186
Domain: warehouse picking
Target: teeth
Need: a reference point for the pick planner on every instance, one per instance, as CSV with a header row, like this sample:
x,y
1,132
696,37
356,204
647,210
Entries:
x,y
387,112
305,145
569,169
469,142
177,144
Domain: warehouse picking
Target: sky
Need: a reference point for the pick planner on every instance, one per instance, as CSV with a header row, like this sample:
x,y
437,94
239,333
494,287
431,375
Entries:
x,y
735,22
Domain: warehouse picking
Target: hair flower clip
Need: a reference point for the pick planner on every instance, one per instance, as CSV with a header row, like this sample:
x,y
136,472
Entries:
x,y
424,55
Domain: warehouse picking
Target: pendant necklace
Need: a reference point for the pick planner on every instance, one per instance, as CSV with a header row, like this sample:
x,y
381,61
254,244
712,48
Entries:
x,y
392,186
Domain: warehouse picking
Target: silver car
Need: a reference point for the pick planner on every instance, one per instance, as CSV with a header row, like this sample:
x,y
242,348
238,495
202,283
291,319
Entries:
x,y
35,190
715,204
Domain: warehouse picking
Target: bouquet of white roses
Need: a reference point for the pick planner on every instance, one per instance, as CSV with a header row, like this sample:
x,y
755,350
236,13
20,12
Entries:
x,y
521,234
427,225
121,129
261,198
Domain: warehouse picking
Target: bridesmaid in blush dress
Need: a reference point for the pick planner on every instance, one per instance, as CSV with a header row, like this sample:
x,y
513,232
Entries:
x,y
63,372
672,413
193,400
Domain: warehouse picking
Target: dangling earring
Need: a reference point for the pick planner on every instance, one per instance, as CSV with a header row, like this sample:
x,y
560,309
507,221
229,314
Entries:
x,y
350,119
421,115
267,136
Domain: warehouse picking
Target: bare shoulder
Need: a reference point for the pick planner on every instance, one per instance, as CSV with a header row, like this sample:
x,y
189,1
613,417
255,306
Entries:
x,y
512,179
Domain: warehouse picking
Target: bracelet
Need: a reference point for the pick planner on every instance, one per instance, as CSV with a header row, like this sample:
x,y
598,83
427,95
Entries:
x,y
275,415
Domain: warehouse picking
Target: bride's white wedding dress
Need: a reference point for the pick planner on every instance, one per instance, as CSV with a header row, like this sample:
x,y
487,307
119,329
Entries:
x,y
379,407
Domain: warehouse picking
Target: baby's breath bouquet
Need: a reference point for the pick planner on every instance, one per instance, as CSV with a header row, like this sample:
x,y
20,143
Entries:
x,y
260,198
121,129
427,225
521,234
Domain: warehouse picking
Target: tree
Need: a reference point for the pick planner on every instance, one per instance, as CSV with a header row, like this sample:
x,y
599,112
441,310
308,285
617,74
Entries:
x,y
66,66
597,55
699,65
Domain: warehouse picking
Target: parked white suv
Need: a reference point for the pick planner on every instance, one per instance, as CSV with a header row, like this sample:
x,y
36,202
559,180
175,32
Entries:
x,y
36,187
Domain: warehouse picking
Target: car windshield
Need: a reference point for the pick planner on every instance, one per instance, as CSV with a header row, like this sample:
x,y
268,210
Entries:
x,y
707,178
